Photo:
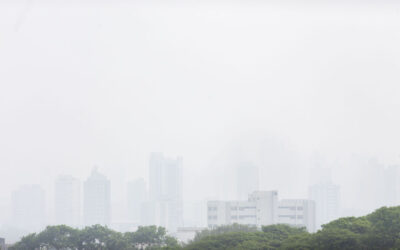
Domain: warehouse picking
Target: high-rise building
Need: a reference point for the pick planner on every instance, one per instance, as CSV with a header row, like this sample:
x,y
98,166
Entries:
x,y
137,195
165,191
96,199
298,213
67,201
260,209
391,186
28,204
325,194
327,198
3,244
247,180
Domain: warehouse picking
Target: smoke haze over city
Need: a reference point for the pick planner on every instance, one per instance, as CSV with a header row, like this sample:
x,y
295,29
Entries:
x,y
293,92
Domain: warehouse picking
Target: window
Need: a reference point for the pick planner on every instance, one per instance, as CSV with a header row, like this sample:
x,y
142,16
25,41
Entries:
x,y
290,208
288,216
246,216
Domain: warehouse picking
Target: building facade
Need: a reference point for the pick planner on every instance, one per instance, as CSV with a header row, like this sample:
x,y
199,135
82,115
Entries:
x,y
247,180
67,201
96,200
136,196
259,210
3,244
327,202
28,204
298,213
164,207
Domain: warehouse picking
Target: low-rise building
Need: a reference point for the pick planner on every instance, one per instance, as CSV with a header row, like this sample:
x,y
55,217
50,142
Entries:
x,y
260,209
299,213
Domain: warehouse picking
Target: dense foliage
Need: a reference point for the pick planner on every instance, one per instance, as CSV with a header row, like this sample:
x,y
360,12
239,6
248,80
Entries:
x,y
378,230
97,238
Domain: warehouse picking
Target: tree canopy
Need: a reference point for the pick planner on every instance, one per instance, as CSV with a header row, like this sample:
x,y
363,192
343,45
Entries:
x,y
378,230
97,238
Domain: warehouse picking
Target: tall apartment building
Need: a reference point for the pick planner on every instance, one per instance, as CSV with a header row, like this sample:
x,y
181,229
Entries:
x,y
260,209
67,201
247,180
96,199
165,192
325,194
28,206
299,213
136,196
3,244
327,198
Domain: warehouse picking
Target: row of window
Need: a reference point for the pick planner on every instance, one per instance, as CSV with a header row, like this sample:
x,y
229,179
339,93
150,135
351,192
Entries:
x,y
242,208
243,217
292,208
291,216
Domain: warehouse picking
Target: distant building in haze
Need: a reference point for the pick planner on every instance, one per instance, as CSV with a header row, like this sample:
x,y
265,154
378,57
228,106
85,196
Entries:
x,y
3,244
391,187
67,201
136,196
325,194
247,180
96,199
28,206
259,210
195,214
299,213
165,192
327,198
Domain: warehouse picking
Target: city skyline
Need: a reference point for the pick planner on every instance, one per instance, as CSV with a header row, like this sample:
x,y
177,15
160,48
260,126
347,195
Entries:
x,y
179,103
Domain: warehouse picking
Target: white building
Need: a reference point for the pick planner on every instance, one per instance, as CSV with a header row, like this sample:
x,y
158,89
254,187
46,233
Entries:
x,y
327,198
260,209
247,180
96,203
298,213
165,192
28,206
137,195
67,201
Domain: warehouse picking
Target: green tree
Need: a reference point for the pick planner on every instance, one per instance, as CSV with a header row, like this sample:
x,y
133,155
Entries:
x,y
225,229
58,237
385,231
280,232
298,242
150,237
231,240
96,237
28,242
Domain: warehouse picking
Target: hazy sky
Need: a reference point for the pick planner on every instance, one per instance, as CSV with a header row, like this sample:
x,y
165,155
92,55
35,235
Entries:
x,y
216,82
